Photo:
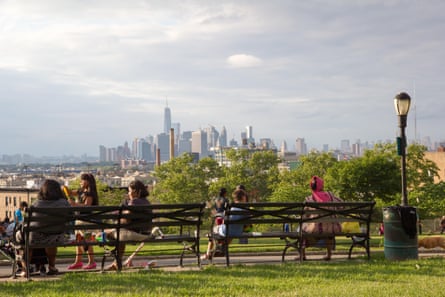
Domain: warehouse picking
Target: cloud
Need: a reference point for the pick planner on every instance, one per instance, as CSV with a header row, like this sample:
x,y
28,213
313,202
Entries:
x,y
243,61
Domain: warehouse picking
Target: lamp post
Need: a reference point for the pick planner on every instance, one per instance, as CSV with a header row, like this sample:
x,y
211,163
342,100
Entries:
x,y
402,103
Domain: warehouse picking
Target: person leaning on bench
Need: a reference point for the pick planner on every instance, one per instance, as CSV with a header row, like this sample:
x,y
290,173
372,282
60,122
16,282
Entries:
x,y
50,196
239,196
319,195
87,196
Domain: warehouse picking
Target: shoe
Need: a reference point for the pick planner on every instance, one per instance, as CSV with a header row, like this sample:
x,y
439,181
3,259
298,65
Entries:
x,y
21,274
327,258
91,266
75,266
205,257
150,265
111,267
52,271
42,270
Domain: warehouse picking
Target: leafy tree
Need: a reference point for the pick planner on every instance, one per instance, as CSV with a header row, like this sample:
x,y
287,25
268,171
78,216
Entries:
x,y
419,170
294,185
180,180
374,175
257,171
429,199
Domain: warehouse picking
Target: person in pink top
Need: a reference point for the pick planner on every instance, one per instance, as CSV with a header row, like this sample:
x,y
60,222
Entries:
x,y
319,195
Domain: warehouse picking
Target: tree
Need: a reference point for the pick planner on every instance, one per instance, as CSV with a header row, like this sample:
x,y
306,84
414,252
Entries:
x,y
257,171
294,185
419,170
180,180
374,175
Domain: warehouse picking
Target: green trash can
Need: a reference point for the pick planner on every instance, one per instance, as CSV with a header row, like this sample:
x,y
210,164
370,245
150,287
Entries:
x,y
400,232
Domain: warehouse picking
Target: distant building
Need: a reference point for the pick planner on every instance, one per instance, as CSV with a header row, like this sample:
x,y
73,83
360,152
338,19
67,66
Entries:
x,y
300,146
10,199
223,137
163,144
199,143
167,120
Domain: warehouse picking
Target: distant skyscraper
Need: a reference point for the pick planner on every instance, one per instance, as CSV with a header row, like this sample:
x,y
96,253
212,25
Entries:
x,y
167,120
283,147
163,144
301,146
249,132
212,136
199,143
223,137
345,146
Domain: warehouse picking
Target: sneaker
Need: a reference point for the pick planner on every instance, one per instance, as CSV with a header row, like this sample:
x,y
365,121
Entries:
x,y
52,271
21,274
111,267
42,270
91,266
75,266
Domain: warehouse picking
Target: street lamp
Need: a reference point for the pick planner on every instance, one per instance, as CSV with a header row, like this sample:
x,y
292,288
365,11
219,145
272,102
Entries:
x,y
402,103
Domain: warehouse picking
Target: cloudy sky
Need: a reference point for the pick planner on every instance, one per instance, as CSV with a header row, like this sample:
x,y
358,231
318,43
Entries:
x,y
78,74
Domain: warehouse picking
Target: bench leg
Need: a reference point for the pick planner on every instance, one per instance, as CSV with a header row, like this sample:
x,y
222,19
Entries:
x,y
289,244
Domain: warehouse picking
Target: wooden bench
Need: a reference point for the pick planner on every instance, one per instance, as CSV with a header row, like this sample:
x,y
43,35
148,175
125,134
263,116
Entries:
x,y
181,223
275,216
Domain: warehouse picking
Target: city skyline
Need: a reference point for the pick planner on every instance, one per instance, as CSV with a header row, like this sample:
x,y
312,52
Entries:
x,y
77,76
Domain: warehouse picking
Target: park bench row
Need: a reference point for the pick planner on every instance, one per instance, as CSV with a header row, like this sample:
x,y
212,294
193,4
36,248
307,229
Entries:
x,y
285,220
183,222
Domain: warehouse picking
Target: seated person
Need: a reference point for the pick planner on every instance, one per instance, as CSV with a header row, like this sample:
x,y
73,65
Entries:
x,y
50,195
137,194
220,228
320,196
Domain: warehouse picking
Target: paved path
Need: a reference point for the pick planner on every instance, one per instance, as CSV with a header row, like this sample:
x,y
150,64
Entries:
x,y
172,263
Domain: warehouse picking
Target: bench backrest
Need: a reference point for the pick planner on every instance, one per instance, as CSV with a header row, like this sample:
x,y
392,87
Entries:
x,y
96,218
264,213
163,215
300,213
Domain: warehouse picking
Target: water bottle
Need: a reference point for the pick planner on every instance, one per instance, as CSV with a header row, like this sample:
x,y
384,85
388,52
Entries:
x,y
286,227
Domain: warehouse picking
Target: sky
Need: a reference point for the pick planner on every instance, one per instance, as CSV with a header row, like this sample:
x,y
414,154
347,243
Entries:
x,y
78,74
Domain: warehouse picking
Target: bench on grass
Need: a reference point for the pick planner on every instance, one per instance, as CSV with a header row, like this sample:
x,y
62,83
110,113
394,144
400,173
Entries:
x,y
181,223
284,220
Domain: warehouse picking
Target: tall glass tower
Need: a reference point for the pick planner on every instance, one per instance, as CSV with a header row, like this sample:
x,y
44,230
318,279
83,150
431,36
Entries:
x,y
167,120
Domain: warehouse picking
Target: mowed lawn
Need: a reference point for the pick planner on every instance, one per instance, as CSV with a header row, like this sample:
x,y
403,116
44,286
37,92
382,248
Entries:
x,y
358,277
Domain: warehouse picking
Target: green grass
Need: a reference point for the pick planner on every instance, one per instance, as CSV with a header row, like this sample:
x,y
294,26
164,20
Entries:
x,y
377,277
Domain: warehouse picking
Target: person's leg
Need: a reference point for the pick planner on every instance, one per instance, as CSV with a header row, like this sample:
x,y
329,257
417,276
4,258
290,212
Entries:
x,y
51,253
78,261
208,253
91,262
329,248
24,266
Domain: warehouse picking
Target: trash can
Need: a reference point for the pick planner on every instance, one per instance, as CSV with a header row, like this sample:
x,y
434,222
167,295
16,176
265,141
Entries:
x,y
400,232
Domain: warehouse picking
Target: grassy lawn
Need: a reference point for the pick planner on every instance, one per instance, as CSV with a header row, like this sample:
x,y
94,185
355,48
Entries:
x,y
358,277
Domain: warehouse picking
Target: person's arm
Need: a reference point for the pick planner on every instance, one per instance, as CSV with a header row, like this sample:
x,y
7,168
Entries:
x,y
87,202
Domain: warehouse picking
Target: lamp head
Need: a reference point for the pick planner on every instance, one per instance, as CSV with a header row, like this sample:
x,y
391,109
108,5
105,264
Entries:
x,y
402,103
